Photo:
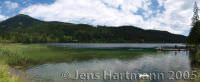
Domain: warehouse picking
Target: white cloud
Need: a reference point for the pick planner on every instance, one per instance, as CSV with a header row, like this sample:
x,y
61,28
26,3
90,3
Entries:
x,y
11,5
2,17
175,18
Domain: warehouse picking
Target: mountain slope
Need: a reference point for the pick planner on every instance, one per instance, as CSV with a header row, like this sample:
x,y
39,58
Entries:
x,y
25,29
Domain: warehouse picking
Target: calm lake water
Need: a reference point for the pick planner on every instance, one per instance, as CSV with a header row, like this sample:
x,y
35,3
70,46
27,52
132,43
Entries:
x,y
163,65
117,45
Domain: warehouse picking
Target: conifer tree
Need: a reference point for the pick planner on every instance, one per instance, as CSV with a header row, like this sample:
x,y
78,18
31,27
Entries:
x,y
194,36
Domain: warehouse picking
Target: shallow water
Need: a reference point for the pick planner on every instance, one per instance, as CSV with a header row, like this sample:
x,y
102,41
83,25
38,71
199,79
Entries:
x,y
109,70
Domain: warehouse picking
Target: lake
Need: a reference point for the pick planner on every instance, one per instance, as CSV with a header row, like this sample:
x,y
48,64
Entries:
x,y
166,66
117,45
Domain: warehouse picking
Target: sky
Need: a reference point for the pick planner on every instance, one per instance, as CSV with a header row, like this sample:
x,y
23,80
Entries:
x,y
166,15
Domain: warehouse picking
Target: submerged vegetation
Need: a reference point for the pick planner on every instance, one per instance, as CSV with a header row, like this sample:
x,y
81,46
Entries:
x,y
33,54
21,56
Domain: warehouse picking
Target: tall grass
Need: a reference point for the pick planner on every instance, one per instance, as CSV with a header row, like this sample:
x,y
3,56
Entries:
x,y
6,76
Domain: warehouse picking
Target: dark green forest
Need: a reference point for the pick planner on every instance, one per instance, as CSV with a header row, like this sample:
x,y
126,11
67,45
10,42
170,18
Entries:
x,y
25,29
194,36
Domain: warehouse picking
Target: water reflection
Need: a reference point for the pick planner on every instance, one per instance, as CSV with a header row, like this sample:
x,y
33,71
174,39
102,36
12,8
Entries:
x,y
117,45
164,62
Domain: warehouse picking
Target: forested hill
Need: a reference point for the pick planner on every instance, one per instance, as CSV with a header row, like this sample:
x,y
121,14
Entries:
x,y
25,29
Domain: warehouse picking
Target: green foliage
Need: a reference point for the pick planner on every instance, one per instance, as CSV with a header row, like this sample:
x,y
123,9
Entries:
x,y
24,29
5,75
194,36
195,61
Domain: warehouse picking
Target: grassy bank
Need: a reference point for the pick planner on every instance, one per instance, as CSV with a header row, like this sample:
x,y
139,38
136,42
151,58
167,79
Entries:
x,y
5,75
195,61
198,54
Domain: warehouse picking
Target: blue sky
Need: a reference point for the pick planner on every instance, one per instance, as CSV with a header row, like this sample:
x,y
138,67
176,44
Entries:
x,y
168,15
5,10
